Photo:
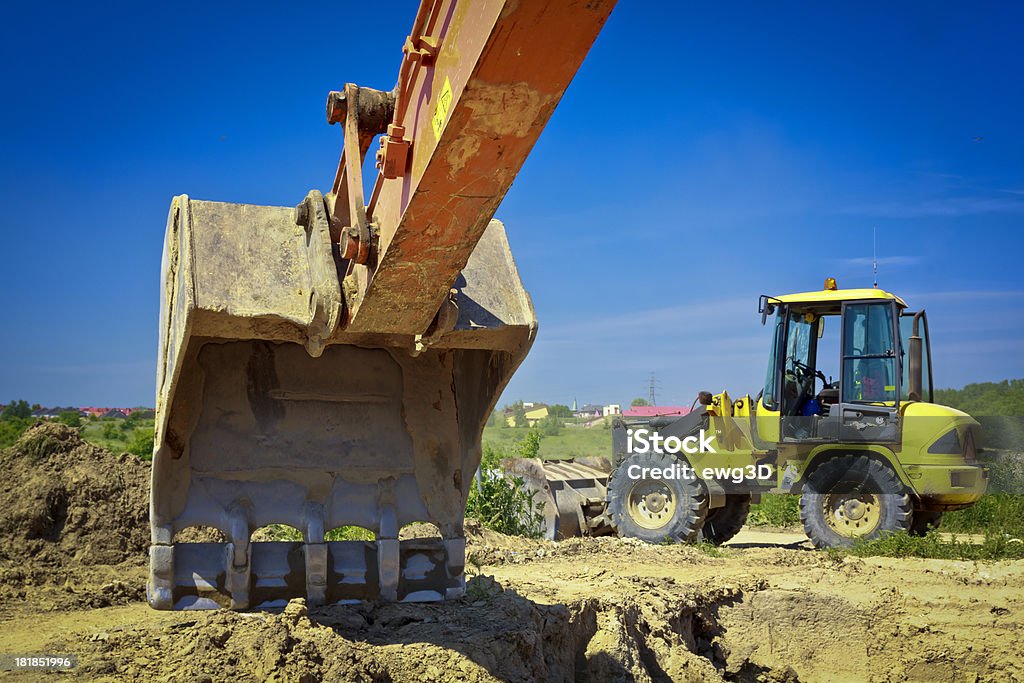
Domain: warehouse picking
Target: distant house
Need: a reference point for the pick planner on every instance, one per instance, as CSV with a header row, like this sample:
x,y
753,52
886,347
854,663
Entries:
x,y
536,415
654,411
611,409
533,416
590,410
100,413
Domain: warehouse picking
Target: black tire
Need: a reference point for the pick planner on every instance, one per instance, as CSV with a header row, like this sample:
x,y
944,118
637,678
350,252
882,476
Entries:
x,y
637,511
853,497
925,521
723,523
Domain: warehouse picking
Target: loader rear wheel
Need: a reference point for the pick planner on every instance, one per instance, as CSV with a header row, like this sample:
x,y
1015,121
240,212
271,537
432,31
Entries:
x,y
925,521
652,508
725,522
853,497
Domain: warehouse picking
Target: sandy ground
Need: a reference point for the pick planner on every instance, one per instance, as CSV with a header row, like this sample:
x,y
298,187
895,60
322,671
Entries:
x,y
768,608
73,537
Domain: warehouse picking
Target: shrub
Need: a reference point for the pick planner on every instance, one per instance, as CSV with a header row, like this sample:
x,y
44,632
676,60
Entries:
x,y
70,418
141,444
550,426
17,410
12,428
529,447
501,502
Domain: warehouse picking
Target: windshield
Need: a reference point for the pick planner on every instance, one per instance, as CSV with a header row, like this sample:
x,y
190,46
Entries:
x,y
798,348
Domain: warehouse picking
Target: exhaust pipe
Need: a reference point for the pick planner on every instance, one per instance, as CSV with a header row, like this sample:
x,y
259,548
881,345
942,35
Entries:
x,y
916,354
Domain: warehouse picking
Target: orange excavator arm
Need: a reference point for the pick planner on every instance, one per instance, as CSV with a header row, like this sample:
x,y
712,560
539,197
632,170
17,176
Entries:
x,y
478,82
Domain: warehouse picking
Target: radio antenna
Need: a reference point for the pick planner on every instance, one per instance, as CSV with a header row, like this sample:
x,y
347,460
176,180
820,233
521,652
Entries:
x,y
874,253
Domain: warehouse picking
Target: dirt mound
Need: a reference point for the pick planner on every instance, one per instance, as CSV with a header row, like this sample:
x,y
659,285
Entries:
x,y
66,501
67,507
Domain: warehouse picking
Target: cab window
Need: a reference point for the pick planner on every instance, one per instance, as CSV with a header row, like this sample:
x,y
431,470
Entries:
x,y
770,394
869,354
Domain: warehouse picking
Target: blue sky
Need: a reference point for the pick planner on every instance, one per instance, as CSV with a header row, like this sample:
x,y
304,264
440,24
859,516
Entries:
x,y
759,145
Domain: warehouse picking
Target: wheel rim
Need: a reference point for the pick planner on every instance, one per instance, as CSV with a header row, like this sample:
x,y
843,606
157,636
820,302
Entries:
x,y
852,514
651,504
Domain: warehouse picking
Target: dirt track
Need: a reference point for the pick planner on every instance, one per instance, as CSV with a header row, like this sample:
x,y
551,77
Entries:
x,y
765,608
595,609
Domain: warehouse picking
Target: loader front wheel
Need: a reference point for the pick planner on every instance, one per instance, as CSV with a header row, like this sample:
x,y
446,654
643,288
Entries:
x,y
853,497
649,499
725,522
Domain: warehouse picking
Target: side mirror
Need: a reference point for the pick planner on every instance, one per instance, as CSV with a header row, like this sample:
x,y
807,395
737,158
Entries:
x,y
821,327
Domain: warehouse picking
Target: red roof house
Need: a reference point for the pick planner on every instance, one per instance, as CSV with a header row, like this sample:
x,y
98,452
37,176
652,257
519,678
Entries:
x,y
654,411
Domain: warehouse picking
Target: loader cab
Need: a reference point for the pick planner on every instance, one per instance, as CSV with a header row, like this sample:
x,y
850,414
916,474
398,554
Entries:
x,y
841,364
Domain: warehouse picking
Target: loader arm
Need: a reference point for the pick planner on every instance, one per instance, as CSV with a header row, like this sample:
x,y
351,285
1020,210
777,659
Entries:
x,y
333,364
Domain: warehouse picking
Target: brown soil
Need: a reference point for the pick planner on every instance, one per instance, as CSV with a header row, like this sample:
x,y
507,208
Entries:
x,y
586,609
73,520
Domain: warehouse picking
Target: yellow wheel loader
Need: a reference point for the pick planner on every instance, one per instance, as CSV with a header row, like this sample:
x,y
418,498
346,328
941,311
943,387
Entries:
x,y
869,452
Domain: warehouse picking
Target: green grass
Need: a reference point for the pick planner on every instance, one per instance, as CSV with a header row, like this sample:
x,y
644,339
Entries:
x,y
996,546
781,510
111,435
710,549
999,517
570,442
1003,512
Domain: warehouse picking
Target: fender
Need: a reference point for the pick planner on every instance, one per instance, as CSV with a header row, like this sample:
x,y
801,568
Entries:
x,y
824,451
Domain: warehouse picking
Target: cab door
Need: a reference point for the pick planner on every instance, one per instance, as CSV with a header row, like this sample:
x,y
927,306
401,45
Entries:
x,y
869,388
766,422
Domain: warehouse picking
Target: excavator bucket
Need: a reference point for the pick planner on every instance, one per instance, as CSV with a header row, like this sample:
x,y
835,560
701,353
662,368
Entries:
x,y
270,412
333,365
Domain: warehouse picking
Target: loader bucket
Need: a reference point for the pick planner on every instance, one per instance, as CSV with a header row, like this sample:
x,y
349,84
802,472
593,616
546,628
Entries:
x,y
569,494
269,412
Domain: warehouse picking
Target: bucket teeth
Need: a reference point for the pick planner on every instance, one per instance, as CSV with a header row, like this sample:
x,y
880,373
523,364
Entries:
x,y
270,413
